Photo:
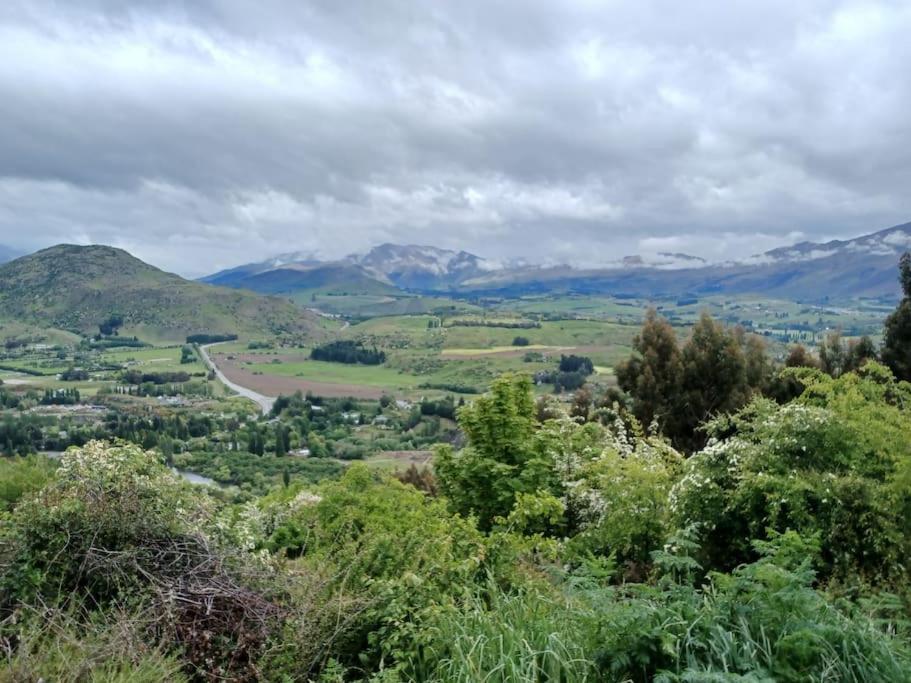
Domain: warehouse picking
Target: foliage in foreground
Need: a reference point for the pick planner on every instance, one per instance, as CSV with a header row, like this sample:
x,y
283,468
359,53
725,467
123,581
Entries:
x,y
761,622
835,464
553,556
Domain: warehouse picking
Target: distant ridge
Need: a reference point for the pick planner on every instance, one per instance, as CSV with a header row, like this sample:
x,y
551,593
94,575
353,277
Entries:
x,y
332,278
383,269
809,271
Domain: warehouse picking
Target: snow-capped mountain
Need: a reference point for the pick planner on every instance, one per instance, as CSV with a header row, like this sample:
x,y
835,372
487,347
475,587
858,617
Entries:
x,y
863,266
892,241
662,260
403,266
422,267
809,271
232,276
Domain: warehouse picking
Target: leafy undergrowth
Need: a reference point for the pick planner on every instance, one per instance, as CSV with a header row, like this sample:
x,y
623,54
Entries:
x,y
560,550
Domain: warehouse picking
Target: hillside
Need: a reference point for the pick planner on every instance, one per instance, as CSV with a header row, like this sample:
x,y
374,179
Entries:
x,y
328,278
77,287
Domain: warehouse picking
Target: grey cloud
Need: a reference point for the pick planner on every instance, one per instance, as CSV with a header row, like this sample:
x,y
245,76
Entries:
x,y
198,132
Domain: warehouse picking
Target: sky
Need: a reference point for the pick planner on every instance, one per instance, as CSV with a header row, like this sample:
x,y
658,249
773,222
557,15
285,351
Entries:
x,y
204,134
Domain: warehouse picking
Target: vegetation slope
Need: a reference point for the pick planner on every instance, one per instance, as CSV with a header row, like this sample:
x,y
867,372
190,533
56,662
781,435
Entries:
x,y
77,288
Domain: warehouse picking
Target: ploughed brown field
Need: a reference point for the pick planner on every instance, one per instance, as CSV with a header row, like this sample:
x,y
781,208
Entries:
x,y
261,357
277,385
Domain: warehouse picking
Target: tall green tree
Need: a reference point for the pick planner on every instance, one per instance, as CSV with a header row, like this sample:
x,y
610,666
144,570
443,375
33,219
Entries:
x,y
714,378
896,351
484,478
281,440
716,371
653,374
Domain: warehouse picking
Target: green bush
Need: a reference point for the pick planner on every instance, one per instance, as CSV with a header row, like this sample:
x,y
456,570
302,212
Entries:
x,y
761,622
397,554
20,477
116,530
835,463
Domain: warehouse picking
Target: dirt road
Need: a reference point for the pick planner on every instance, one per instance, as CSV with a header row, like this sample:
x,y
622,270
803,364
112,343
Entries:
x,y
264,402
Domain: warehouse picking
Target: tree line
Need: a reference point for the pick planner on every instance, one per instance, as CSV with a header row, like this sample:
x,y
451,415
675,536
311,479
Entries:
x,y
346,351
675,387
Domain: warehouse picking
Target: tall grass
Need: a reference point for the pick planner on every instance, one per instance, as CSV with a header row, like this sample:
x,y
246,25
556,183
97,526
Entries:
x,y
76,647
500,638
21,476
762,622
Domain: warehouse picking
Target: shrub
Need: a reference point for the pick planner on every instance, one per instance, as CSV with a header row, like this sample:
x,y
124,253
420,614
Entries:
x,y
836,463
763,621
389,548
580,364
210,338
20,477
114,529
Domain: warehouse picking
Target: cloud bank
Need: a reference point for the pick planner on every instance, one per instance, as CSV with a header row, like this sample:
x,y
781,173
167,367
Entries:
x,y
207,133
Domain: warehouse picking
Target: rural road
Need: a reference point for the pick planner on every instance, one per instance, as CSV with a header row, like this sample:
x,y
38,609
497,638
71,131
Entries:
x,y
264,402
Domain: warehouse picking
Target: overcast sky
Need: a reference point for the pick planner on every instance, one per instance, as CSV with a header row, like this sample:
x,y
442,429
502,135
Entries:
x,y
203,134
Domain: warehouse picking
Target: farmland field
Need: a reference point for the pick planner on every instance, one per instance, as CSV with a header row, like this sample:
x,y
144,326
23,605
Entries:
x,y
444,346
462,348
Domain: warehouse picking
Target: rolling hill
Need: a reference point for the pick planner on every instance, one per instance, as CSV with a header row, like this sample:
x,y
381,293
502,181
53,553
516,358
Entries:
x,y
299,278
76,288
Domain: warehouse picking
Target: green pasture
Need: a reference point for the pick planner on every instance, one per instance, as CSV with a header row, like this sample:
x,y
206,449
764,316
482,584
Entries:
x,y
338,373
151,359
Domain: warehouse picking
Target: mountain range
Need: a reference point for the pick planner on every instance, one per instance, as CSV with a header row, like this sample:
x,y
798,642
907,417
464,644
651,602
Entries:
x,y
808,271
384,269
76,288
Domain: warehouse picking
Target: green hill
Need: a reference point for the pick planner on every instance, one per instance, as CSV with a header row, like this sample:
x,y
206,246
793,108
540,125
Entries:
x,y
329,278
77,288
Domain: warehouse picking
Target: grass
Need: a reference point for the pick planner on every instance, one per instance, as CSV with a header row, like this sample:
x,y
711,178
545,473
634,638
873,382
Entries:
x,y
422,356
551,333
502,349
513,638
421,353
775,317
155,359
338,373
12,329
